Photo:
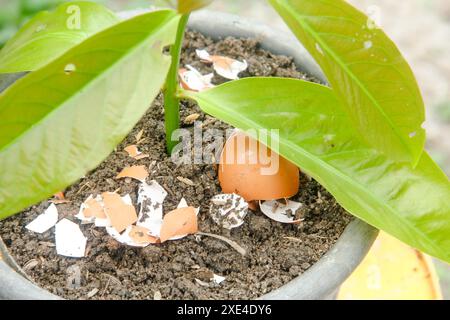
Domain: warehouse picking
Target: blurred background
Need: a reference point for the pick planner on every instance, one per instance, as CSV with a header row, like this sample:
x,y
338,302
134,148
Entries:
x,y
420,28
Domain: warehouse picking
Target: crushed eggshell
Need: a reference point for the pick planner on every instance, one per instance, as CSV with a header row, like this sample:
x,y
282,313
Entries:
x,y
120,211
59,195
140,235
183,204
281,212
228,210
134,152
59,198
139,173
178,224
218,279
70,241
44,221
150,198
133,236
91,209
224,66
193,80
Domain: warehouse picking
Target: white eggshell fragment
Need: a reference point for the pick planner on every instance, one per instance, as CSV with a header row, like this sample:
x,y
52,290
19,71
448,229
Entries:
x,y
192,79
228,210
183,204
125,237
281,212
218,279
44,221
151,197
224,66
70,241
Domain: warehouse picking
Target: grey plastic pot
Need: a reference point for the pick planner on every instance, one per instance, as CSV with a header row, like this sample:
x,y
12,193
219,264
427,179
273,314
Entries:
x,y
324,278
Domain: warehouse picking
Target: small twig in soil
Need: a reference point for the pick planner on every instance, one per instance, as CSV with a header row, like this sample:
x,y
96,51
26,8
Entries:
x,y
82,188
317,236
187,181
106,287
293,239
263,275
231,243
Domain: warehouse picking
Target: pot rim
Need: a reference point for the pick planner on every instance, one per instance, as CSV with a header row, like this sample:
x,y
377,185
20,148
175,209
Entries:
x,y
321,280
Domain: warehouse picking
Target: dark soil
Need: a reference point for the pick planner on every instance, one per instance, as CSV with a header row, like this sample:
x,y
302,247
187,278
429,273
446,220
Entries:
x,y
276,252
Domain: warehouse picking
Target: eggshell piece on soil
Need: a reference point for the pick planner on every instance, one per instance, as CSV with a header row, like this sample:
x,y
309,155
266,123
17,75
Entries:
x,y
139,173
226,67
179,222
228,210
59,198
218,279
183,204
243,171
44,221
134,152
139,235
281,212
133,236
70,241
150,198
120,212
191,79
91,210
60,195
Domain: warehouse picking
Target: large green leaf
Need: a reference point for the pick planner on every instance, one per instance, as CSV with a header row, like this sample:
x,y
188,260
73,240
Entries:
x,y
61,121
316,134
366,70
49,34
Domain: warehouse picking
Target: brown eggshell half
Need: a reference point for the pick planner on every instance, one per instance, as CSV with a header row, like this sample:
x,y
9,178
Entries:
x,y
239,174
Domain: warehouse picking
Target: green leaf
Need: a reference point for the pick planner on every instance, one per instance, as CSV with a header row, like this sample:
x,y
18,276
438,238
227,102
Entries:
x,y
60,122
49,34
187,6
316,134
366,70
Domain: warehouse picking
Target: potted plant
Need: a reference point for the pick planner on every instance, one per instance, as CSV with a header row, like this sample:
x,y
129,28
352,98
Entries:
x,y
362,140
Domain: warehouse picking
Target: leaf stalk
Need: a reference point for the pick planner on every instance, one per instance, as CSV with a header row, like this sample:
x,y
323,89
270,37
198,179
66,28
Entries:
x,y
171,101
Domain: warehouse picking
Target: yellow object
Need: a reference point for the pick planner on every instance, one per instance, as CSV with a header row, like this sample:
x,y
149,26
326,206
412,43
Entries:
x,y
392,270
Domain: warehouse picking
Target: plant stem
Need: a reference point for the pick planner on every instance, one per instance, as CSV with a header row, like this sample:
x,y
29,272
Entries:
x,y
171,101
